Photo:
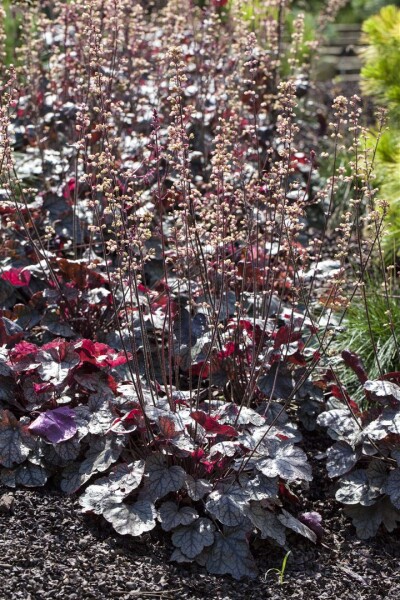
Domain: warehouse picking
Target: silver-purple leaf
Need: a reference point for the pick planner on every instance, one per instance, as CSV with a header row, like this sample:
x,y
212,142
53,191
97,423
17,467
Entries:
x,y
230,555
288,462
376,430
82,419
259,487
355,488
179,557
102,414
55,365
383,389
5,369
161,478
224,449
30,475
367,519
393,416
57,425
267,522
73,479
15,441
377,475
102,453
392,487
233,414
120,482
171,516
61,454
340,423
297,526
228,507
341,459
125,478
396,455
132,519
197,488
191,539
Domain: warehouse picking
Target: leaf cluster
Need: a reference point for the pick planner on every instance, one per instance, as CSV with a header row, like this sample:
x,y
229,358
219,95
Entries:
x,y
365,457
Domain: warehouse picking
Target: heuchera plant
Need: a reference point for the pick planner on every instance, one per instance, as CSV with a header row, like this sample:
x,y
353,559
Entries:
x,y
157,282
210,474
365,456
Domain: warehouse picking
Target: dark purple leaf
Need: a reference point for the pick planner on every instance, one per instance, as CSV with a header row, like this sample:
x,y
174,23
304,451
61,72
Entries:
x,y
297,526
278,383
313,521
57,425
355,363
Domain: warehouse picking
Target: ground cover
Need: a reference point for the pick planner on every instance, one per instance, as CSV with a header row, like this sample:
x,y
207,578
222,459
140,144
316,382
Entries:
x,y
175,268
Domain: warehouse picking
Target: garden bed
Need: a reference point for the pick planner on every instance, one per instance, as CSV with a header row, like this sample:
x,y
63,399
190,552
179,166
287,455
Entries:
x,y
187,216
49,550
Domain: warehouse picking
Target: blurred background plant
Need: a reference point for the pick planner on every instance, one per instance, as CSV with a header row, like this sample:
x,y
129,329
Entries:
x,y
380,80
371,324
372,331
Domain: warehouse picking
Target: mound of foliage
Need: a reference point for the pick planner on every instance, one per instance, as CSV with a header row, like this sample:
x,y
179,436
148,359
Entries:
x,y
165,310
365,456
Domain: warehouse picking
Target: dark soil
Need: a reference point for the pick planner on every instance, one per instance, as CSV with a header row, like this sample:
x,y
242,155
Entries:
x,y
48,549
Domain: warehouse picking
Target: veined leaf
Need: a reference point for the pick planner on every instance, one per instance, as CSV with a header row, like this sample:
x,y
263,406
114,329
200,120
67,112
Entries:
x,y
103,452
267,522
228,507
57,362
122,480
392,487
259,487
236,415
28,475
73,479
355,488
224,449
193,538
197,488
132,519
367,519
297,526
288,462
341,459
230,555
161,478
15,441
340,423
171,516
61,454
